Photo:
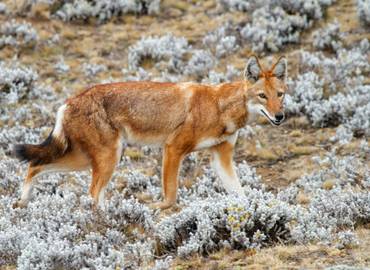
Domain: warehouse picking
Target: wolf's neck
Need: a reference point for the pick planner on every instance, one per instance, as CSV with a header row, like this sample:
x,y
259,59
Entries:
x,y
232,103
231,95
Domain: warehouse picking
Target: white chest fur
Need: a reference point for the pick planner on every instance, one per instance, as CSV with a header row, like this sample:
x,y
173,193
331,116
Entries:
x,y
209,142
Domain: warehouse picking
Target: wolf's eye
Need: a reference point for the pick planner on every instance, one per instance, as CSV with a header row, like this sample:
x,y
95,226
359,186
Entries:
x,y
262,95
280,94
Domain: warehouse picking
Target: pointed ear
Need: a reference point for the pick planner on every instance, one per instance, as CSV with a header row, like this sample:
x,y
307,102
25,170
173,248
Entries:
x,y
280,69
252,70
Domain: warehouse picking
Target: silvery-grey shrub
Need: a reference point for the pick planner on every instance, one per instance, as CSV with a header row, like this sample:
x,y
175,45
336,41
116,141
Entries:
x,y
328,37
71,236
271,28
347,239
104,10
345,70
23,100
240,5
18,134
214,77
330,209
206,225
139,74
341,171
13,33
3,8
363,11
93,69
222,41
163,264
342,76
200,63
136,181
16,82
61,66
279,22
167,48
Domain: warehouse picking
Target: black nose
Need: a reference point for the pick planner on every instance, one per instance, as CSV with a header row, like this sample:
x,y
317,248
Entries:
x,y
279,116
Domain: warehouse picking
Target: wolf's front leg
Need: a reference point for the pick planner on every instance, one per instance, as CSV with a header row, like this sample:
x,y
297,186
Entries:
x,y
171,163
222,163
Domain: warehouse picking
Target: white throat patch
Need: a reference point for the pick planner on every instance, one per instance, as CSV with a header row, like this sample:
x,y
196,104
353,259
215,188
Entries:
x,y
254,110
258,109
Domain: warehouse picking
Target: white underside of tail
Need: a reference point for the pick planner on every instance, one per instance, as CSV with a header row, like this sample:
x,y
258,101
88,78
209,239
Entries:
x,y
58,129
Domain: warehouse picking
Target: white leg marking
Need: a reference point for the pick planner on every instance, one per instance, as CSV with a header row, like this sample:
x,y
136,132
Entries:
x,y
101,198
26,191
119,149
229,180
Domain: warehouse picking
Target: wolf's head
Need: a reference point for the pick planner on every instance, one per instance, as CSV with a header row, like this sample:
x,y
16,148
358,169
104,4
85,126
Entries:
x,y
266,89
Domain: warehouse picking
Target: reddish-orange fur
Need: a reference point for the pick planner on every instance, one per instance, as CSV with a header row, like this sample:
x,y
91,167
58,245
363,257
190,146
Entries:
x,y
181,117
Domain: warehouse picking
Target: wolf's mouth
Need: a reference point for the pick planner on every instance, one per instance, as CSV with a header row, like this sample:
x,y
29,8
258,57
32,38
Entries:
x,y
274,122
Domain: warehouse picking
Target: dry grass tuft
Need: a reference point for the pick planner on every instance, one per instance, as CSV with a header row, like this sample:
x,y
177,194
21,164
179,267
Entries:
x,y
302,198
329,184
302,150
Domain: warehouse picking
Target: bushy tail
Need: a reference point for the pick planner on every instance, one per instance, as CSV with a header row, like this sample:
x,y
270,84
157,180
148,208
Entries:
x,y
44,153
54,147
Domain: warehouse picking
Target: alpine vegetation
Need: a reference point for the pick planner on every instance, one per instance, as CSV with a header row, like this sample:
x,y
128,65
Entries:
x,y
341,79
16,82
18,85
168,51
77,240
200,63
225,221
271,28
61,66
277,23
214,77
13,33
128,234
93,69
328,38
363,11
239,5
222,41
104,10
100,10
3,8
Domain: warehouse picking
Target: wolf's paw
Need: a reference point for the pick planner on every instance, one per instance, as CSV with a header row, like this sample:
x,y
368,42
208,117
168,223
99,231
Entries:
x,y
162,205
19,204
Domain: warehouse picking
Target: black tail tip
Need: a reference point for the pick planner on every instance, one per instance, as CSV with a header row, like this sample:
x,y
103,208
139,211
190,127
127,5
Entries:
x,y
20,152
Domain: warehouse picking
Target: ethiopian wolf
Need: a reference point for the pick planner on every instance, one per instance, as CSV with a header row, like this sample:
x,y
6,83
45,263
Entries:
x,y
180,117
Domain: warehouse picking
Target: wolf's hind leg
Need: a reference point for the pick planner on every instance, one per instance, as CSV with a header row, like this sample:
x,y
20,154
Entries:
x,y
28,185
73,161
